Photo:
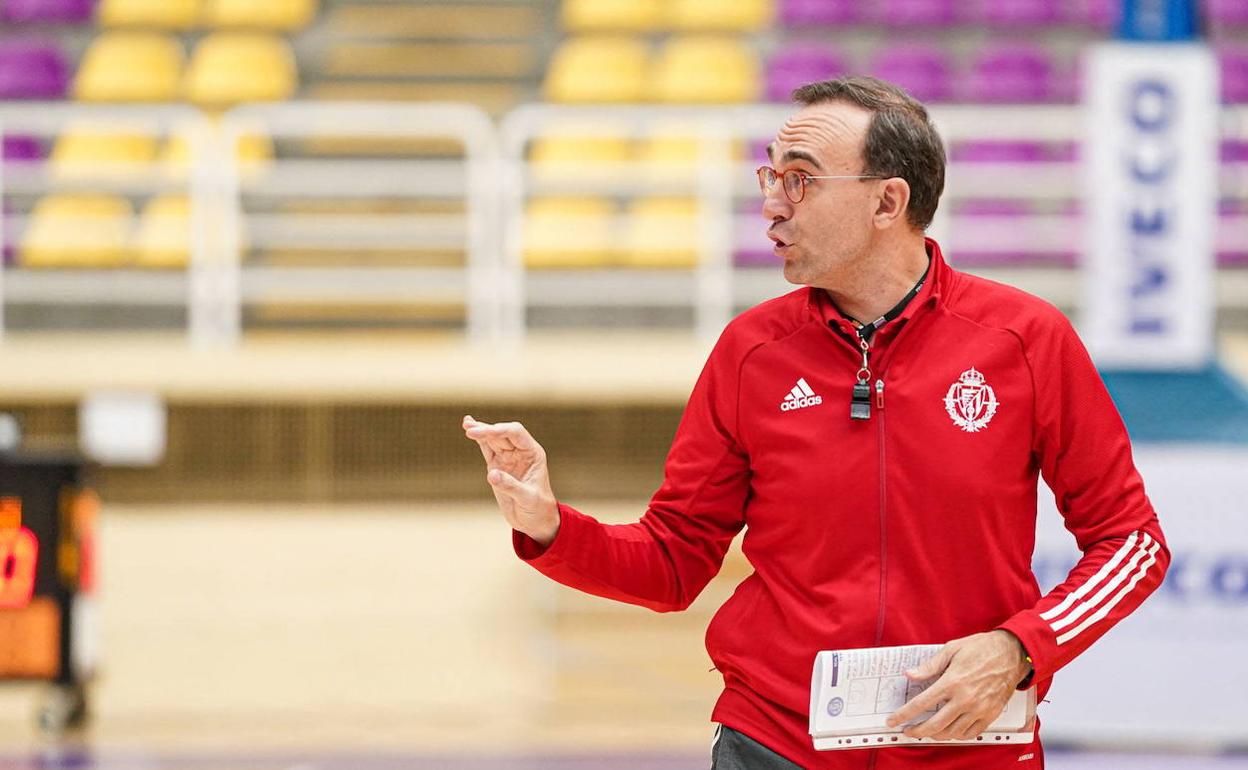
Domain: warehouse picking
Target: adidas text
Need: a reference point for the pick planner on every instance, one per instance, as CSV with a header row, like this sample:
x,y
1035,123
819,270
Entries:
x,y
787,406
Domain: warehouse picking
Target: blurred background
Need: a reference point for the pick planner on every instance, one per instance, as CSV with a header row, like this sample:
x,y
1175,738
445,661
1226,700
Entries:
x,y
260,256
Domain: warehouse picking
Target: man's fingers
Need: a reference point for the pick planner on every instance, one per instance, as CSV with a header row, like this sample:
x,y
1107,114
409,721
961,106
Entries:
x,y
934,724
955,730
509,485
977,727
924,701
933,666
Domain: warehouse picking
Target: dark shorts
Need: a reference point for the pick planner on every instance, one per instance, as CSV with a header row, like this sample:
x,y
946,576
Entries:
x,y
732,750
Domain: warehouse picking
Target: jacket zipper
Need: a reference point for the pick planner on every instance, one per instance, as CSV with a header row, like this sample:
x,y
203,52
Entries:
x,y
879,398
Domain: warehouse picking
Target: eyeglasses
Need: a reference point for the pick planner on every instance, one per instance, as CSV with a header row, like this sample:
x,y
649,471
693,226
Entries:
x,y
795,181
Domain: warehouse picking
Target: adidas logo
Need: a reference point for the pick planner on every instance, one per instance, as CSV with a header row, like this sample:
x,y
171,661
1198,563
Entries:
x,y
800,396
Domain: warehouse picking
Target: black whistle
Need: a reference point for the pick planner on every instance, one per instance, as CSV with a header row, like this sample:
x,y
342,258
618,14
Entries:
x,y
860,406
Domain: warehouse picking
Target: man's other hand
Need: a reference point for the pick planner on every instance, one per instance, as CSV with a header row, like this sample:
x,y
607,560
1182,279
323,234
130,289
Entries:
x,y
978,674
516,470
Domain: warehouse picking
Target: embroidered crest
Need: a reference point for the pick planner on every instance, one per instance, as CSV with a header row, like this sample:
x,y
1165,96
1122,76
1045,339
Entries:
x,y
970,402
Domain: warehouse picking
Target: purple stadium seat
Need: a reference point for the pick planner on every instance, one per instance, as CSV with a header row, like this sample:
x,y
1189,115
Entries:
x,y
1019,13
1016,74
21,148
47,11
1100,15
1227,13
917,13
1234,151
999,152
31,69
752,247
1234,63
818,13
9,228
995,213
922,70
799,64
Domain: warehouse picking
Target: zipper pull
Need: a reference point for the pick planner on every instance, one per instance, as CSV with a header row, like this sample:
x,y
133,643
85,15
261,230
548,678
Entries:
x,y
879,393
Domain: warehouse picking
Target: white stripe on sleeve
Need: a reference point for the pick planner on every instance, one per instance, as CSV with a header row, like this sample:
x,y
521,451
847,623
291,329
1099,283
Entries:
x,y
1117,580
1103,611
1093,581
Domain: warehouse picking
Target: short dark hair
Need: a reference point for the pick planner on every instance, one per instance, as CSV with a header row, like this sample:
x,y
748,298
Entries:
x,y
901,140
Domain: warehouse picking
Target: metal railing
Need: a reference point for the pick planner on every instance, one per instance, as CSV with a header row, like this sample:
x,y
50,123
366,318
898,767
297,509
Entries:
x,y
484,189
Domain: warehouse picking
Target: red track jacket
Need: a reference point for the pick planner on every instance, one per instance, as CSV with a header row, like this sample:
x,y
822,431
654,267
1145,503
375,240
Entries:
x,y
914,526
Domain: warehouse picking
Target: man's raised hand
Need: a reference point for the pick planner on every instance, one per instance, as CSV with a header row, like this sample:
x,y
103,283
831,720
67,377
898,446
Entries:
x,y
516,471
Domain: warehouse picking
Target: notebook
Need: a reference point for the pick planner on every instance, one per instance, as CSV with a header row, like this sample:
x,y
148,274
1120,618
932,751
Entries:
x,y
853,692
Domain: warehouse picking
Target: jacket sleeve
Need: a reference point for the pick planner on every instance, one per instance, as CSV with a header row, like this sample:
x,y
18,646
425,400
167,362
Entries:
x,y
665,560
1085,457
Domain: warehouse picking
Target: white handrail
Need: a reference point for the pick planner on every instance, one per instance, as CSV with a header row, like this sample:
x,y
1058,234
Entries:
x,y
465,123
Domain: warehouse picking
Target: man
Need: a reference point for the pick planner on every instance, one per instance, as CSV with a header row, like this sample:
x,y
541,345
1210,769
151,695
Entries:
x,y
880,434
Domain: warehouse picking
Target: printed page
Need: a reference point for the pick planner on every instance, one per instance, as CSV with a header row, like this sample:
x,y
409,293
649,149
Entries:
x,y
853,692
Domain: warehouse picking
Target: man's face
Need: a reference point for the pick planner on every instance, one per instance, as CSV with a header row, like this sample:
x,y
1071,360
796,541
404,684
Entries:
x,y
831,228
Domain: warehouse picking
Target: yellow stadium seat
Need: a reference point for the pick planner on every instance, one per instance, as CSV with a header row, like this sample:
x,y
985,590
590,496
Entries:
x,y
163,238
283,15
571,157
254,153
569,232
77,231
93,153
719,15
598,69
153,14
706,70
228,68
610,15
662,233
130,67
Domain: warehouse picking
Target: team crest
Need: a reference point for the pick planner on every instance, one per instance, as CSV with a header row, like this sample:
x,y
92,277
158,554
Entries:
x,y
970,402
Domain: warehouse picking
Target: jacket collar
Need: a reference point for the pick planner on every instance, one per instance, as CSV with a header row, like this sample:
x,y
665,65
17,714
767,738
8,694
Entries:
x,y
939,280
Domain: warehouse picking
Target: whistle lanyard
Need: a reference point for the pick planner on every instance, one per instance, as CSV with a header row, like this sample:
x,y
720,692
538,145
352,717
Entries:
x,y
860,401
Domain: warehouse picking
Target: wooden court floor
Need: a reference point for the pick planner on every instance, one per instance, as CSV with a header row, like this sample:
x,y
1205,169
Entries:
x,y
301,638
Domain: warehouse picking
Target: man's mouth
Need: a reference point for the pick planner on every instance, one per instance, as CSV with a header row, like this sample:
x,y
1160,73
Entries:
x,y
780,243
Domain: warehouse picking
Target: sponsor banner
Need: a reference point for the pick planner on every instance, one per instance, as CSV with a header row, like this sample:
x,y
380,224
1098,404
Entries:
x,y
1174,670
1150,164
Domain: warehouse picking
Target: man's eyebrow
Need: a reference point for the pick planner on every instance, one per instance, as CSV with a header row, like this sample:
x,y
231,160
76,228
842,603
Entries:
x,y
792,155
771,152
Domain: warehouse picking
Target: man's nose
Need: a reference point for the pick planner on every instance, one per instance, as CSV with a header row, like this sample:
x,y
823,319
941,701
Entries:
x,y
776,205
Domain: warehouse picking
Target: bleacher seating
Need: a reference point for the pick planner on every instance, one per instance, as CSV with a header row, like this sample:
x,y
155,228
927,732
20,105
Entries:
x,y
569,233
799,14
228,68
254,152
1018,13
580,16
277,15
149,14
742,16
916,13
798,64
163,236
101,153
1229,13
130,67
1234,66
697,69
922,69
46,11
77,231
1012,74
32,69
21,148
598,69
661,232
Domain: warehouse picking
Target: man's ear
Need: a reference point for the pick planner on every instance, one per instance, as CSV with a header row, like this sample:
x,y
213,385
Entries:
x,y
894,201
